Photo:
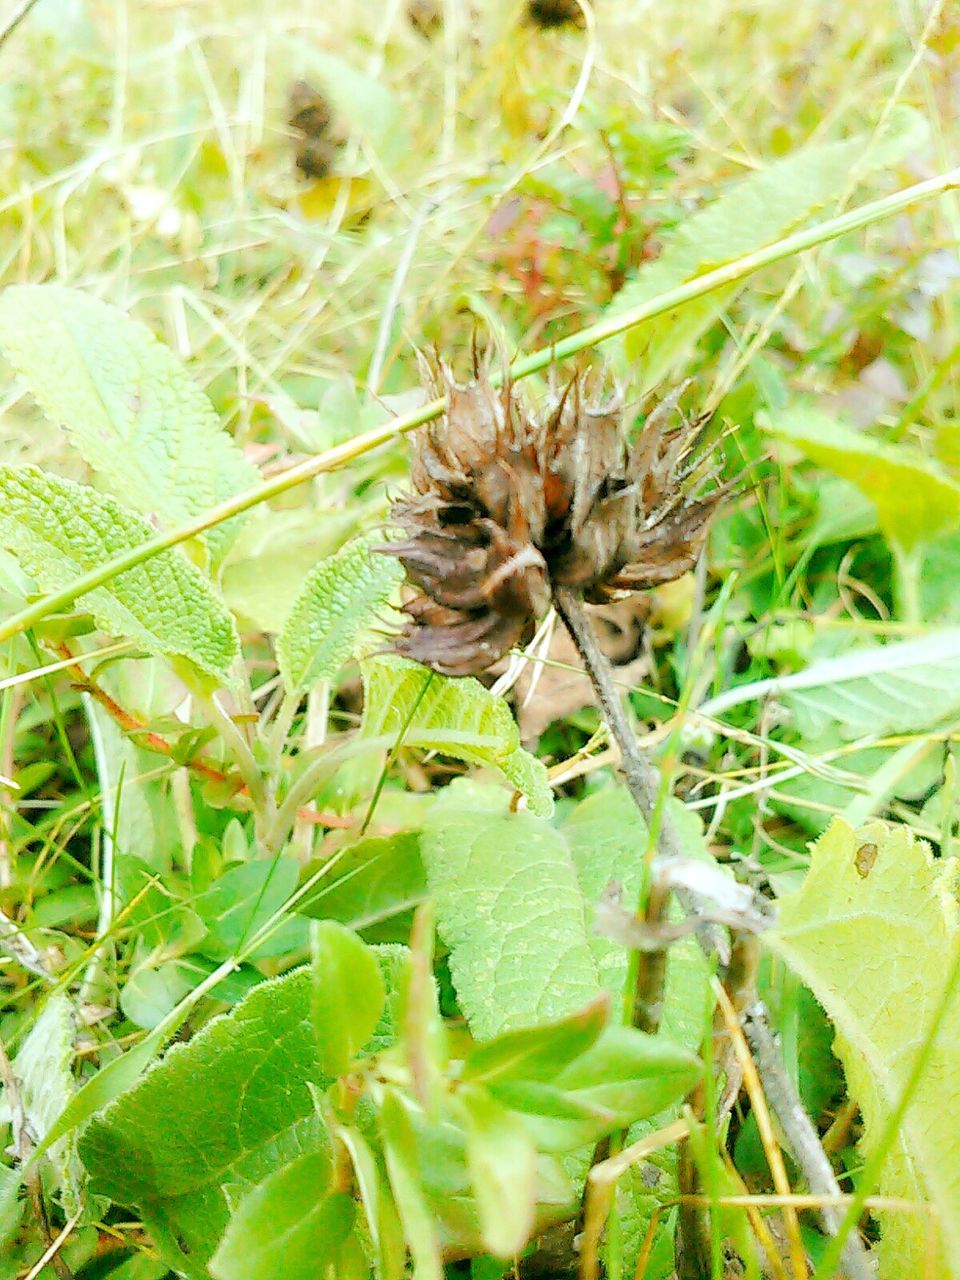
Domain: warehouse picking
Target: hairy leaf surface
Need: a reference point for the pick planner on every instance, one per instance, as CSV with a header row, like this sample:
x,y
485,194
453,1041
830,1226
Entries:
x,y
217,1115
131,409
510,909
459,718
340,600
60,530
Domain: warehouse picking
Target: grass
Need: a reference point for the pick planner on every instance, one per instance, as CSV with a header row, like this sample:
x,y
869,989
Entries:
x,y
493,176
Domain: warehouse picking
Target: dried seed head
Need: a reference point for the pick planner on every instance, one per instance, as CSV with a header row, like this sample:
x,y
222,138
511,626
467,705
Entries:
x,y
507,506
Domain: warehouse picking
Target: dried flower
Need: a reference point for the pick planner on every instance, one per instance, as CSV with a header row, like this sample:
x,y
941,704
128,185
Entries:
x,y
507,507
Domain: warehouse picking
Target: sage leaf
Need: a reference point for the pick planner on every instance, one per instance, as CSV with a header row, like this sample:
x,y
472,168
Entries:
x,y
60,530
132,411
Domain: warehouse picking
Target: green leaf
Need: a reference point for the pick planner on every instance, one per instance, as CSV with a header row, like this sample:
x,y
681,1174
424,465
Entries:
x,y
291,1217
631,1074
370,881
915,500
537,1053
243,899
217,1115
383,1221
607,838
903,687
399,1145
150,995
132,411
624,1077
340,600
265,568
60,530
510,910
11,1206
457,717
503,1170
871,932
348,995
748,216
43,1070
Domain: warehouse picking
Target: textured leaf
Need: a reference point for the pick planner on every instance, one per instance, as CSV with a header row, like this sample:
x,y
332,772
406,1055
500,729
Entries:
x,y
289,1216
915,500
216,1116
748,215
872,932
902,687
43,1069
132,411
265,568
59,530
348,995
340,600
607,839
459,718
510,909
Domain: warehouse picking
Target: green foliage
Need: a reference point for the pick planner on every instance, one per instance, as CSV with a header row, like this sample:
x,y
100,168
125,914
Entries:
x,y
460,718
340,600
43,1071
872,932
59,529
292,1214
752,213
131,410
243,899
916,500
149,833
503,1168
514,925
348,995
372,880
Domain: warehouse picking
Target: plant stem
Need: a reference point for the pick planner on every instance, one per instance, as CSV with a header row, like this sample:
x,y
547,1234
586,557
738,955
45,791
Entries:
x,y
649,968
907,564
609,327
641,775
808,1152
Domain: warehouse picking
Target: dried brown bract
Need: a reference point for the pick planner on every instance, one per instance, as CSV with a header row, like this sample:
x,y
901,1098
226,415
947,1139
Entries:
x,y
508,506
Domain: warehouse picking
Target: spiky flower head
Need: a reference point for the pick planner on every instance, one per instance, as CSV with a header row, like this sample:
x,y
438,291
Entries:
x,y
509,504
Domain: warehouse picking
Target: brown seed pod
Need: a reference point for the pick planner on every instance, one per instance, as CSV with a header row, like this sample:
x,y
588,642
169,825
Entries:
x,y
507,506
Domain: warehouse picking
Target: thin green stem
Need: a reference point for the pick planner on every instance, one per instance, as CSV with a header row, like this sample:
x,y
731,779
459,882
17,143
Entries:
x,y
907,564
247,766
609,327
